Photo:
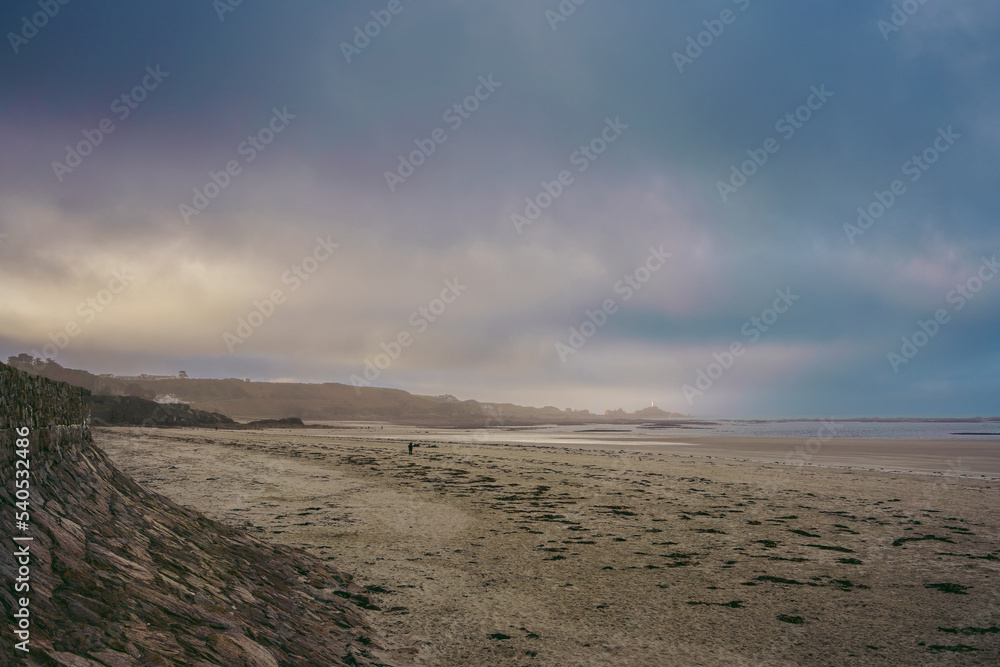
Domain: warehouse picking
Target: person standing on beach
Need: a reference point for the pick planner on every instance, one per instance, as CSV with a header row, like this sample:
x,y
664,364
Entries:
x,y
411,448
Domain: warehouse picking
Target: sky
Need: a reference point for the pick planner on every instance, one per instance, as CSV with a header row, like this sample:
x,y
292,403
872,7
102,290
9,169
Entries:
x,y
731,208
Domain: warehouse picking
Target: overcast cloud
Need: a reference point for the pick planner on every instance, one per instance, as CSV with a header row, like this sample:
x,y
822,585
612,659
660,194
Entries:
x,y
880,94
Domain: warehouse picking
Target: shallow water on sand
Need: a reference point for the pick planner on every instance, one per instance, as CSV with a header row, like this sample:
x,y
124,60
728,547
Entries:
x,y
666,431
827,444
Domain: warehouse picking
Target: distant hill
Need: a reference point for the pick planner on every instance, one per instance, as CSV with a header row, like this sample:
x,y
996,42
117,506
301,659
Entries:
x,y
135,411
653,412
241,399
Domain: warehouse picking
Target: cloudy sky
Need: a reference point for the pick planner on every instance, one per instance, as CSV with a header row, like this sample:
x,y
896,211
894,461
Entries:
x,y
510,167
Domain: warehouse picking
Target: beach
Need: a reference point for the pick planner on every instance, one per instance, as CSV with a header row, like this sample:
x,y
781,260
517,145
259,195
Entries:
x,y
700,553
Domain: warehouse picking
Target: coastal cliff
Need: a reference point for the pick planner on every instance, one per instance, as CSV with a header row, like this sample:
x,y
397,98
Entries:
x,y
120,576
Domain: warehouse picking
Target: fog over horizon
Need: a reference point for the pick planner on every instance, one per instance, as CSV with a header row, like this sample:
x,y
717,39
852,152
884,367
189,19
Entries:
x,y
506,203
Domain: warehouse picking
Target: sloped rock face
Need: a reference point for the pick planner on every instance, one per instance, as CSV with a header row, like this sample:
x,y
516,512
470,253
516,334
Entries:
x,y
121,576
135,411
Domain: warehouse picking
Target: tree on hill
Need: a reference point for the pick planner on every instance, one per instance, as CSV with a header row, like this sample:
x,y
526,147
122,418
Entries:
x,y
22,360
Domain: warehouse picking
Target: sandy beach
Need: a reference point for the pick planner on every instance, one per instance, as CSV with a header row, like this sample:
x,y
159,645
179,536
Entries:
x,y
979,458
521,555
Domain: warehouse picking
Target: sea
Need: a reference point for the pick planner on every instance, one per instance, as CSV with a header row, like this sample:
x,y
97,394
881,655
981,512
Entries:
x,y
673,431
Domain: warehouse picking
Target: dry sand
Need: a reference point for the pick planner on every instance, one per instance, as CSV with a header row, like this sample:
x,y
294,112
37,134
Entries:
x,y
519,555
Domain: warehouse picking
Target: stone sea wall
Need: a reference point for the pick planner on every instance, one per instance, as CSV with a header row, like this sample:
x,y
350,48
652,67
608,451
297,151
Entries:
x,y
120,576
54,412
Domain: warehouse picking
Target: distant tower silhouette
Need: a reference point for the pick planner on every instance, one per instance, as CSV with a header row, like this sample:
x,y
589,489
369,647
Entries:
x,y
651,403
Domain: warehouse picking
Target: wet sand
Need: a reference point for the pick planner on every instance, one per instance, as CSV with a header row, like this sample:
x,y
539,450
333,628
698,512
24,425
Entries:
x,y
520,555
951,457
979,457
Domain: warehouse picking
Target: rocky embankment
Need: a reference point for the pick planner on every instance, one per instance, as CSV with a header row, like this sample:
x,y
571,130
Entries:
x,y
135,411
121,576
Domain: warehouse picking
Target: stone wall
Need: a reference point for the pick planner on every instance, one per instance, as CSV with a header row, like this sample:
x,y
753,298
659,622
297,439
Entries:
x,y
36,402
56,414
